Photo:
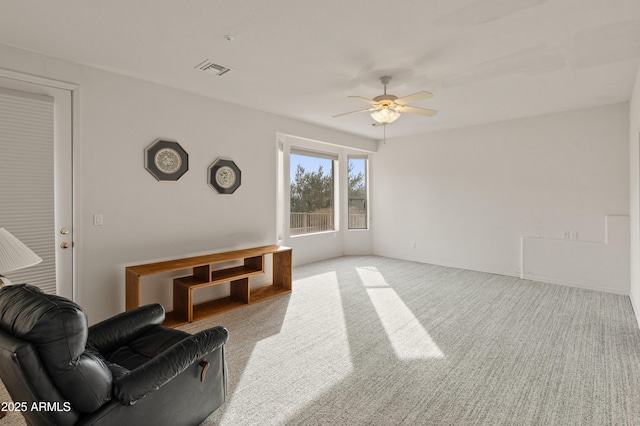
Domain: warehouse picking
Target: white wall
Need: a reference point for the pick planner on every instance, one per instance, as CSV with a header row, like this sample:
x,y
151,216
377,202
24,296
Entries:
x,y
634,187
148,220
465,197
592,265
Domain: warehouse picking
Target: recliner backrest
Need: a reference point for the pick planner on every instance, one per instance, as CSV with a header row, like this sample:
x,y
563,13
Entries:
x,y
58,329
27,381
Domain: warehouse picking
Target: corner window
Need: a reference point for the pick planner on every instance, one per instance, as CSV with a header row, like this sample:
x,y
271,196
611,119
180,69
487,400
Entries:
x,y
357,187
312,192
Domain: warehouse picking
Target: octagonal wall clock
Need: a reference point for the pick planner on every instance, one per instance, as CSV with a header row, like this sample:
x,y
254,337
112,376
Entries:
x,y
166,160
224,176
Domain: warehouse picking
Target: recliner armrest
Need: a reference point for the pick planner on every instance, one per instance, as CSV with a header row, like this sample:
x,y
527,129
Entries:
x,y
154,374
117,331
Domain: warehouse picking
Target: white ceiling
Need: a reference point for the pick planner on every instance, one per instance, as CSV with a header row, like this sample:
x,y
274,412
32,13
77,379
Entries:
x,y
484,60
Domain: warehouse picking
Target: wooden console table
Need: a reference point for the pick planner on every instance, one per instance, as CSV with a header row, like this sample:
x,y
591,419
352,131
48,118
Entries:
x,y
205,275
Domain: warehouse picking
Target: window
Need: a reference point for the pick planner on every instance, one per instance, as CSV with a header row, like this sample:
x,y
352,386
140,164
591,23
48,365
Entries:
x,y
27,176
357,187
312,192
321,188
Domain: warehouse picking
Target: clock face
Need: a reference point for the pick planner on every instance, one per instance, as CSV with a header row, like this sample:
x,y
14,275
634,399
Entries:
x,y
168,160
225,177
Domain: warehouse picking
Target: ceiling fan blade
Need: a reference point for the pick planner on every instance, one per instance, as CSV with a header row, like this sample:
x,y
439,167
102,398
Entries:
x,y
415,110
354,112
360,98
413,98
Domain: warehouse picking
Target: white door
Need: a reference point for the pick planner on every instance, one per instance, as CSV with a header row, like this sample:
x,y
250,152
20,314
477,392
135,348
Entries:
x,y
38,199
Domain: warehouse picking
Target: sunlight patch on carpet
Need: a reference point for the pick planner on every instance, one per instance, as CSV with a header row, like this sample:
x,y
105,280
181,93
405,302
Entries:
x,y
408,337
267,382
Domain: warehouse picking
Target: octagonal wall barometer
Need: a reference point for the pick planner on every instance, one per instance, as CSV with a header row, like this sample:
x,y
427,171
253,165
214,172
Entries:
x,y
166,160
224,176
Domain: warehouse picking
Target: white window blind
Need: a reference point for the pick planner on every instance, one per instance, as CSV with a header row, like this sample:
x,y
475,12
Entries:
x,y
318,154
27,181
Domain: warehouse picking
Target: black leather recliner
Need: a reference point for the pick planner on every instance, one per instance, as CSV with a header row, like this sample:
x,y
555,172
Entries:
x,y
126,370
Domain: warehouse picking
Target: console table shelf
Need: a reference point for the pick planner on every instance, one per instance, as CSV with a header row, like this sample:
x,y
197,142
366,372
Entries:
x,y
205,275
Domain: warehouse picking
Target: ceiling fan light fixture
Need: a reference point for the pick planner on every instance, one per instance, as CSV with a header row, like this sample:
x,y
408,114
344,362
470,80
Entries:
x,y
386,108
385,115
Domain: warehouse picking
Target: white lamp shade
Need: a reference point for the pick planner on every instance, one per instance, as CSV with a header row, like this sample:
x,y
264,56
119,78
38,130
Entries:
x,y
14,254
385,115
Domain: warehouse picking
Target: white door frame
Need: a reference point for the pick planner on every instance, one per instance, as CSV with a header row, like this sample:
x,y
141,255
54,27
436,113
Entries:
x,y
65,129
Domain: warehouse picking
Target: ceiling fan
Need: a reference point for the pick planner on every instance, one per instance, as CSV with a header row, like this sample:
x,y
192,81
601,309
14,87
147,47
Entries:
x,y
385,109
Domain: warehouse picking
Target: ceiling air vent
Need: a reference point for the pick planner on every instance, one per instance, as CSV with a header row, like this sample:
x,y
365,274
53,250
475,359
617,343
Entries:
x,y
212,68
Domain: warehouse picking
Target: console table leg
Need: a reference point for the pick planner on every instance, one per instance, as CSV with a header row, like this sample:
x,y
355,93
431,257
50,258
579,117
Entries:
x,y
282,266
132,294
239,290
182,303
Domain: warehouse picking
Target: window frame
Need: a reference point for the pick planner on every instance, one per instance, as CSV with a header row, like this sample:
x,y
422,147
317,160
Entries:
x,y
334,157
284,144
365,158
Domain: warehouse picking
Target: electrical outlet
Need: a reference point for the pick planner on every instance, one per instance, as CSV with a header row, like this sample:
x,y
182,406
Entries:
x,y
98,220
574,235
566,235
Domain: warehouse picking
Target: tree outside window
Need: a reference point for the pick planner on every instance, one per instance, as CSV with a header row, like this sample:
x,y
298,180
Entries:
x,y
357,187
312,194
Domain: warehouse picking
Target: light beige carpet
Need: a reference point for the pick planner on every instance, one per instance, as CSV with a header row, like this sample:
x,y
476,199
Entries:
x,y
376,341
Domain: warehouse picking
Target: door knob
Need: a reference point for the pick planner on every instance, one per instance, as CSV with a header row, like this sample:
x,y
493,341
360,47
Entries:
x,y
64,245
64,231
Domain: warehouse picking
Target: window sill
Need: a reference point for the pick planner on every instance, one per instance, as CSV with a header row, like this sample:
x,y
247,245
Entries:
x,y
314,233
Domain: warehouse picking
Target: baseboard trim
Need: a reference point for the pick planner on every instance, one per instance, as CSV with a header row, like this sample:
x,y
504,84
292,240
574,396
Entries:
x,y
448,265
571,284
636,309
510,274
